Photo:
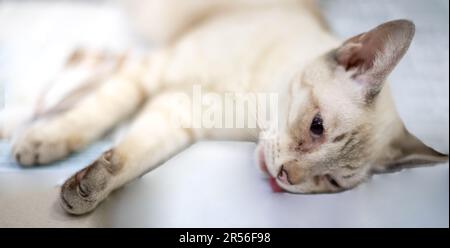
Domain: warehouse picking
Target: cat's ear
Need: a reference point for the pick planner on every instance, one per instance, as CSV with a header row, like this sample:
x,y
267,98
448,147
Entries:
x,y
370,57
407,151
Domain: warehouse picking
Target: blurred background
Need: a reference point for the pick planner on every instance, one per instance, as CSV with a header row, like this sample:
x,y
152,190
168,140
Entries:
x,y
37,35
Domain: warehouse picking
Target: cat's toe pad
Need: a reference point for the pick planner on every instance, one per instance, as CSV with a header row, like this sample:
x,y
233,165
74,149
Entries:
x,y
82,192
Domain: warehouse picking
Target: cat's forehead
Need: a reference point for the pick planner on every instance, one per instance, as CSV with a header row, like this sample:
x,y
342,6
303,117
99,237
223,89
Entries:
x,y
321,69
331,90
329,99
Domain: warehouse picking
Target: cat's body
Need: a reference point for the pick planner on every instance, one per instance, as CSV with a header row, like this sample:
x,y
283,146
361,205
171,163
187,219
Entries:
x,y
216,56
336,123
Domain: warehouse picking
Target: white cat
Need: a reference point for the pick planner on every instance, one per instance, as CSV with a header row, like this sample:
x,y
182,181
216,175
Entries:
x,y
336,122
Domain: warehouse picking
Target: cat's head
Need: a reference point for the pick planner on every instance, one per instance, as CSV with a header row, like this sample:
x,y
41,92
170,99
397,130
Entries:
x,y
339,123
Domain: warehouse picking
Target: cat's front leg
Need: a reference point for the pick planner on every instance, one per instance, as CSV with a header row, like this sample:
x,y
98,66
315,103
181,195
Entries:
x,y
52,138
154,137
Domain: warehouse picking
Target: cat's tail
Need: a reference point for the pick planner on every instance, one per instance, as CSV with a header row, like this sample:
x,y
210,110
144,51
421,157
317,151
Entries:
x,y
162,21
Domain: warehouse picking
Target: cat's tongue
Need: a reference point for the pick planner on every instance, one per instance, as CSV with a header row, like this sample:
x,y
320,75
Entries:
x,y
275,187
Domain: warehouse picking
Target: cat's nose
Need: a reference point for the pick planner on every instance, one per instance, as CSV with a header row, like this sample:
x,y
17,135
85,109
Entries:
x,y
283,176
290,174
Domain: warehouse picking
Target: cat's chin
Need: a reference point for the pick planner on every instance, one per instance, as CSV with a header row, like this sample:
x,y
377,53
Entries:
x,y
261,162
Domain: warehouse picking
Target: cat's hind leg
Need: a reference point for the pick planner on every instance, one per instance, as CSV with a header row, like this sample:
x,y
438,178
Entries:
x,y
154,137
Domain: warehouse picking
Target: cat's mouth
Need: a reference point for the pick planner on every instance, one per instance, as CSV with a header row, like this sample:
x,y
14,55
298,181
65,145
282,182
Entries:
x,y
263,166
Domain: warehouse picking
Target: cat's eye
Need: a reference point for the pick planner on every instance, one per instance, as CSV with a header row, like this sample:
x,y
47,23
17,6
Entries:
x,y
317,126
332,181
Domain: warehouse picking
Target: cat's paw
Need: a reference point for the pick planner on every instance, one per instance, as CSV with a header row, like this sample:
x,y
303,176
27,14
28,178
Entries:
x,y
82,192
40,144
